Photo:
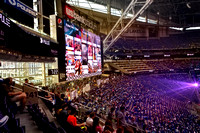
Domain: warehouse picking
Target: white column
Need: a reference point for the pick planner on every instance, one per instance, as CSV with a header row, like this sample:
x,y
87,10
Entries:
x,y
43,74
41,26
35,8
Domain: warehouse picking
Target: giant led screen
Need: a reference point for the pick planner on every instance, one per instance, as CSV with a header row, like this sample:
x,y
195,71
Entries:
x,y
83,52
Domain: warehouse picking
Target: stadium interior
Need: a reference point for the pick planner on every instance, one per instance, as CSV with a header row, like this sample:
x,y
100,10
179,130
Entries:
x,y
100,66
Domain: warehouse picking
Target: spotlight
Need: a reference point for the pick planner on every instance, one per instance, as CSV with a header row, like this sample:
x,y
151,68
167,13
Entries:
x,y
196,84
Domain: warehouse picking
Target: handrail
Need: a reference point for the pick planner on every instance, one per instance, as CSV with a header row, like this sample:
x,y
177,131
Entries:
x,y
37,88
136,127
31,87
45,98
16,88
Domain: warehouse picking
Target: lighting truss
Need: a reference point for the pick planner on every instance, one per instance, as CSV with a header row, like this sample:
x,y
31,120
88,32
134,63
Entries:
x,y
120,27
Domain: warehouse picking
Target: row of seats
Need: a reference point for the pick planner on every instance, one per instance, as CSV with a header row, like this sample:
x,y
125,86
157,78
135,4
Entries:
x,y
10,109
176,41
42,121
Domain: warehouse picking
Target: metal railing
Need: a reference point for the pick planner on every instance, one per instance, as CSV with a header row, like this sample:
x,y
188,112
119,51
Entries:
x,y
102,120
31,87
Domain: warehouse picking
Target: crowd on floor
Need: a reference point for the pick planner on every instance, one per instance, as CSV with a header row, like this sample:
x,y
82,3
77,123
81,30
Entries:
x,y
143,103
150,103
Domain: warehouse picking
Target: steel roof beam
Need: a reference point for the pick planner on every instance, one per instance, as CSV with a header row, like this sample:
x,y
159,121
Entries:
x,y
118,29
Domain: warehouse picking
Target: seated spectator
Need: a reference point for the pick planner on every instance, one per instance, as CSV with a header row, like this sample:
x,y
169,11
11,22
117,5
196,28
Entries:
x,y
96,128
89,120
62,97
59,102
14,95
120,130
64,112
121,120
71,119
27,82
111,115
46,94
108,126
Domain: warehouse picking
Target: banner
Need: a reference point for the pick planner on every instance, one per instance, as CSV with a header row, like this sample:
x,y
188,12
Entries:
x,y
71,14
22,7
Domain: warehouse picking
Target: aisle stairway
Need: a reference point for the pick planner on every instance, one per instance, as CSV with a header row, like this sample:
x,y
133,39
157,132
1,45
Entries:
x,y
27,120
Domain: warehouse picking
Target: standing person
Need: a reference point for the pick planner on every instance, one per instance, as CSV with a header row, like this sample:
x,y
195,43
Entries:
x,y
15,95
78,67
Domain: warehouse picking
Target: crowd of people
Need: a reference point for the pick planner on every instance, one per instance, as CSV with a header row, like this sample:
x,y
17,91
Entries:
x,y
142,103
148,103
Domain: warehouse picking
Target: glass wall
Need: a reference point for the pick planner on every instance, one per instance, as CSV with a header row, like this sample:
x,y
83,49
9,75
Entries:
x,y
36,72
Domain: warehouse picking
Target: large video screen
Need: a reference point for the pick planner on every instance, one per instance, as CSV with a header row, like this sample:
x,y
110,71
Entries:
x,y
83,52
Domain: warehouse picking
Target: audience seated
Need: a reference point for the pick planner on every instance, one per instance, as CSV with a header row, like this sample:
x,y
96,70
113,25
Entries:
x,y
89,120
71,119
8,109
14,95
150,102
96,128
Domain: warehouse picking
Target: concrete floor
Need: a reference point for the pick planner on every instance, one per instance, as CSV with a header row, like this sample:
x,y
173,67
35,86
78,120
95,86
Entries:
x,y
30,126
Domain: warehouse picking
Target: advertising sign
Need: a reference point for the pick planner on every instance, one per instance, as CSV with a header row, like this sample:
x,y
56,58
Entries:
x,y
22,7
71,14
4,20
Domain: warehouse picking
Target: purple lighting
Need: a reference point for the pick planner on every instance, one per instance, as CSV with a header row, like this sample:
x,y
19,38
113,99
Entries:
x,y
196,84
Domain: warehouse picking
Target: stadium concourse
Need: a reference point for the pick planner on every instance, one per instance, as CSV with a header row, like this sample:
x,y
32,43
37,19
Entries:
x,y
99,66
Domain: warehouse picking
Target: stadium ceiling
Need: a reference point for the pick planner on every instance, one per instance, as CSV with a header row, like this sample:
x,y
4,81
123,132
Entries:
x,y
181,13
186,13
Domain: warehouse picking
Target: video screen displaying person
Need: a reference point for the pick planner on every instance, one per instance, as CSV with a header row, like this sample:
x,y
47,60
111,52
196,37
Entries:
x,y
98,51
84,35
84,54
70,60
69,42
78,67
90,52
77,45
90,66
94,54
